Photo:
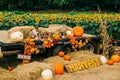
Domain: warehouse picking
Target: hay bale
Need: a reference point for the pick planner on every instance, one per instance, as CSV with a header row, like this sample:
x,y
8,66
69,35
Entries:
x,y
24,29
58,59
56,28
83,55
75,57
4,38
31,71
6,75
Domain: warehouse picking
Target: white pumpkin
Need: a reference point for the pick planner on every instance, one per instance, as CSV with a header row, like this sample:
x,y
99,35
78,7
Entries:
x,y
17,36
1,54
68,32
47,74
103,59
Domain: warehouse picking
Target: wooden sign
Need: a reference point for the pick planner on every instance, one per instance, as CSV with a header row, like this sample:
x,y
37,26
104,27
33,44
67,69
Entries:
x,y
22,56
81,65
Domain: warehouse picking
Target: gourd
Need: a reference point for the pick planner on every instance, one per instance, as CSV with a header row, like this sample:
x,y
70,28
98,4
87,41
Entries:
x,y
47,74
56,37
67,57
78,31
58,67
61,54
68,32
16,36
110,62
103,59
115,58
1,54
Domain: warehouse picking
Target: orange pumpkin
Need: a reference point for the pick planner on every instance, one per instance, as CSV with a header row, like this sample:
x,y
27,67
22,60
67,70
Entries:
x,y
110,62
61,54
56,37
115,58
78,31
67,57
59,69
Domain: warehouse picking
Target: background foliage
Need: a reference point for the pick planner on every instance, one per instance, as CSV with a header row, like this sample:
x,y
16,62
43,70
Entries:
x,y
109,5
89,21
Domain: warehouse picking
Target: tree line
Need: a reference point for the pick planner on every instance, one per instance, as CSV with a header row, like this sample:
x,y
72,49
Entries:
x,y
107,5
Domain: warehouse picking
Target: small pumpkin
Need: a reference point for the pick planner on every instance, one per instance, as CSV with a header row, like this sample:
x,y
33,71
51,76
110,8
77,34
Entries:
x,y
78,31
16,36
69,33
103,59
110,62
47,74
56,37
115,58
59,69
61,54
67,57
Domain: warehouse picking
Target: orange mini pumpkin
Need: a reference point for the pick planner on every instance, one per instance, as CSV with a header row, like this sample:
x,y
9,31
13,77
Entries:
x,y
61,53
110,62
115,58
67,57
59,69
78,31
56,37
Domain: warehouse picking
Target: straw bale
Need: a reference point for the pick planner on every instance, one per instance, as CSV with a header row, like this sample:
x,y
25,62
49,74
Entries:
x,y
56,28
83,55
24,29
75,57
31,71
6,75
4,38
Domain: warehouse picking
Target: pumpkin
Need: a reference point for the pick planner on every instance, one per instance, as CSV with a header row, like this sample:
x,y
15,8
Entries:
x,y
110,62
16,36
103,59
61,53
78,31
59,68
68,32
115,58
56,37
67,57
47,74
1,54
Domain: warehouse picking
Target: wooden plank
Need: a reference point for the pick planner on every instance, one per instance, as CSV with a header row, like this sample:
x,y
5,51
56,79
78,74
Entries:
x,y
11,52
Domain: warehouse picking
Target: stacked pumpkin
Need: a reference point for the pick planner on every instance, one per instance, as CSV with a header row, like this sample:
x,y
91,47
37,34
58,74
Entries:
x,y
58,66
113,59
66,57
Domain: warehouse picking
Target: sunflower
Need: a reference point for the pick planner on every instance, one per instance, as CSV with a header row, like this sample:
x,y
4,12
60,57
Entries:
x,y
92,19
37,19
